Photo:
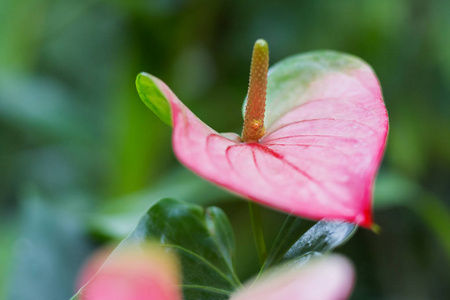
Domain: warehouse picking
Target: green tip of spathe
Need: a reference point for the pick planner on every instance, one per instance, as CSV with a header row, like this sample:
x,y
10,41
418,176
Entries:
x,y
262,45
376,228
151,94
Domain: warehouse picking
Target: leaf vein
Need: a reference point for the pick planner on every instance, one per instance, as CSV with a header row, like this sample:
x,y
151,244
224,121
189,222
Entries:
x,y
208,263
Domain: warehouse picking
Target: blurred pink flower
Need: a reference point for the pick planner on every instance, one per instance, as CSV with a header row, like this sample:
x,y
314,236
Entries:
x,y
134,273
327,278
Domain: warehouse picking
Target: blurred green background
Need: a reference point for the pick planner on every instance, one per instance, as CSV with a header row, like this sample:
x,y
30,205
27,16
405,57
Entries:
x,y
81,157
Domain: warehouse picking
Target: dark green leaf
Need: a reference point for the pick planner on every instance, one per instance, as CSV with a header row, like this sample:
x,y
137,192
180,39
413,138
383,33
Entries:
x,y
321,238
203,241
222,233
293,228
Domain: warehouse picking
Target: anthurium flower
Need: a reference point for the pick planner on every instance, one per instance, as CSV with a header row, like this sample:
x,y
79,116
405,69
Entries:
x,y
314,134
146,274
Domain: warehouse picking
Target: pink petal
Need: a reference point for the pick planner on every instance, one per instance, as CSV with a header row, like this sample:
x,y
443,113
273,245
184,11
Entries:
x,y
319,157
132,274
329,278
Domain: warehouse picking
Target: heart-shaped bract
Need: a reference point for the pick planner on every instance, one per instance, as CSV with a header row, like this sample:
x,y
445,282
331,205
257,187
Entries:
x,y
326,127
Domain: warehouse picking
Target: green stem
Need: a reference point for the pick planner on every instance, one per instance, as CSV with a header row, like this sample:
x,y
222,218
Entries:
x,y
255,217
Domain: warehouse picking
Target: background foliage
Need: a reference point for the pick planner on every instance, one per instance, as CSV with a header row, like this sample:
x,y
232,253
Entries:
x,y
82,158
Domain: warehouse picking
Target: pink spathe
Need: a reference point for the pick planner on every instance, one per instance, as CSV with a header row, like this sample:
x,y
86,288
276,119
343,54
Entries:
x,y
318,159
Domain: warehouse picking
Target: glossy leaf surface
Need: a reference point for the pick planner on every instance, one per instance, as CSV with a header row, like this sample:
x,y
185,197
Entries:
x,y
298,238
293,228
326,129
321,238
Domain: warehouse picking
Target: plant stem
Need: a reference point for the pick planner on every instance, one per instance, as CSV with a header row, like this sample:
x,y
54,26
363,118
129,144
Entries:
x,y
255,217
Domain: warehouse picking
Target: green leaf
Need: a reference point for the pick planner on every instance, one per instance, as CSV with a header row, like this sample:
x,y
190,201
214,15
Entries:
x,y
220,229
323,237
291,231
297,239
203,240
152,96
